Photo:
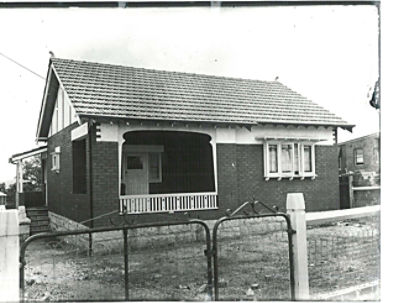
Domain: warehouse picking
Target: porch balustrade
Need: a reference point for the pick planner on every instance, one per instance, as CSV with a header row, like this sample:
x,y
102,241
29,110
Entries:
x,y
159,203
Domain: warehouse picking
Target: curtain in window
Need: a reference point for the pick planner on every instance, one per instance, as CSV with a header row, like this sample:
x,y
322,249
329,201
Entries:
x,y
307,159
273,159
286,158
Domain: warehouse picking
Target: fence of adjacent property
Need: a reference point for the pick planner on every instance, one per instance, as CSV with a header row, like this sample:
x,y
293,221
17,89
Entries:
x,y
343,251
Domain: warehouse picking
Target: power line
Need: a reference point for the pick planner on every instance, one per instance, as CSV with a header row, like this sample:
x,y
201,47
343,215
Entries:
x,y
23,66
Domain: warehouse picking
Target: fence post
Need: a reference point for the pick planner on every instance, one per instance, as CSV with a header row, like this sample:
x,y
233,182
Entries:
x,y
351,192
9,252
295,207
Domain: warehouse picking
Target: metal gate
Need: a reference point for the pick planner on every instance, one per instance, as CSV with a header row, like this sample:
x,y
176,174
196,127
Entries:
x,y
90,234
246,212
207,251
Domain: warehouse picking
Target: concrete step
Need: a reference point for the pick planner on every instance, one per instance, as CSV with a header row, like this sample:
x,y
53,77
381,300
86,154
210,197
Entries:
x,y
39,219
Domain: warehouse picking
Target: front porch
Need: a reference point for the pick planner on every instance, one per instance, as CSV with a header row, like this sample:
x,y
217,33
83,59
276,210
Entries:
x,y
166,172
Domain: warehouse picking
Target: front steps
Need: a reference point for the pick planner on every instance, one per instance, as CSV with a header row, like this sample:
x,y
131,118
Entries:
x,y
39,219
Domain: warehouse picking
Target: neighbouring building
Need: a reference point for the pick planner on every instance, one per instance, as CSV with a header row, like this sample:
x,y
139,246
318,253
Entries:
x,y
3,198
125,140
360,159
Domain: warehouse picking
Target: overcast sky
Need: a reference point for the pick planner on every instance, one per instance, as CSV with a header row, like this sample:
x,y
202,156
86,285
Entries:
x,y
327,53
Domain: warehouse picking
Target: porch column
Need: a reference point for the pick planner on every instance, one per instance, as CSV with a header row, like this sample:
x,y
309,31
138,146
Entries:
x,y
214,154
121,141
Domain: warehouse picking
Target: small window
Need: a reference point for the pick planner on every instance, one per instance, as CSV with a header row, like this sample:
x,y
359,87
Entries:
x,y
79,167
55,160
134,162
359,156
155,167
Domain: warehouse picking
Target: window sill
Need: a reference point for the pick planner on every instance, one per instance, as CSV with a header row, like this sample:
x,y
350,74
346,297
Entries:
x,y
290,178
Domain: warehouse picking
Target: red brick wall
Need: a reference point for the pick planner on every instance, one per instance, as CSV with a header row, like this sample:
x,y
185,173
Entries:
x,y
244,180
61,199
105,179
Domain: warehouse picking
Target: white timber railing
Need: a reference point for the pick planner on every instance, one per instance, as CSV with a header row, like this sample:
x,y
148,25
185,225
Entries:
x,y
159,203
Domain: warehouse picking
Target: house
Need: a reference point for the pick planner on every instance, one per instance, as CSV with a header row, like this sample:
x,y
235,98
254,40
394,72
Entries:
x,y
361,157
359,170
141,142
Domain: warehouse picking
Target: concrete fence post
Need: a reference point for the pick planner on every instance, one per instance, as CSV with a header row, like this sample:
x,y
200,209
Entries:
x,y
295,207
9,256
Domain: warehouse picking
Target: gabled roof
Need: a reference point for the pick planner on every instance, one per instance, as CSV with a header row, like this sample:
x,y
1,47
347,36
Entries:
x,y
105,90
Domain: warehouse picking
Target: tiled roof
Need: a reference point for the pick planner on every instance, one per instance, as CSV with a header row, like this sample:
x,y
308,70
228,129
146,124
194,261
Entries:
x,y
135,93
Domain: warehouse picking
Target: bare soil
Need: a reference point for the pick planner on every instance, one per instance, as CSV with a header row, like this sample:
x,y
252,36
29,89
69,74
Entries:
x,y
250,268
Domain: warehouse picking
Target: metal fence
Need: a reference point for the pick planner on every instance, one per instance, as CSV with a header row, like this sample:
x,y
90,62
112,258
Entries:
x,y
121,263
343,254
250,257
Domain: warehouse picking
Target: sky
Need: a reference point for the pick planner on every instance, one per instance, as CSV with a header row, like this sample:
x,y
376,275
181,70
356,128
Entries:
x,y
329,54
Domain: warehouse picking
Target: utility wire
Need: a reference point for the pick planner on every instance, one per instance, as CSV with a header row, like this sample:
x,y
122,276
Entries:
x,y
21,65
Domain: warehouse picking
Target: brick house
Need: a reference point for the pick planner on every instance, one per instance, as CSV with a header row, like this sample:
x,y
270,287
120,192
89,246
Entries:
x,y
146,142
360,156
359,171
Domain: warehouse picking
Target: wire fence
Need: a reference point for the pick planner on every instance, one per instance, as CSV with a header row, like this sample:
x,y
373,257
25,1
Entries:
x,y
343,254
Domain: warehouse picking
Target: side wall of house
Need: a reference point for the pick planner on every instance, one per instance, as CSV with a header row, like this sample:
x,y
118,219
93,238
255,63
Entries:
x,y
61,199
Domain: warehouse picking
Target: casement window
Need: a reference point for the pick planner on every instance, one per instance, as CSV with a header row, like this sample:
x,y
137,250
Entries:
x,y
155,168
55,159
289,160
79,167
358,156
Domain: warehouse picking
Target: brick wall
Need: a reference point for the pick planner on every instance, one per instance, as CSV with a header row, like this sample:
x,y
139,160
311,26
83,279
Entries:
x,y
61,199
240,178
367,144
105,179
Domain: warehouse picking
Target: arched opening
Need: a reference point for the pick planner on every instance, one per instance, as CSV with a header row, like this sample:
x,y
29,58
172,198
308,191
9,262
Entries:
x,y
164,163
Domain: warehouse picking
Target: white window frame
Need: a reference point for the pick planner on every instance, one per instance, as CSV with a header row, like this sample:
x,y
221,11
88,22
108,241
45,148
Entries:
x,y
55,160
356,158
301,164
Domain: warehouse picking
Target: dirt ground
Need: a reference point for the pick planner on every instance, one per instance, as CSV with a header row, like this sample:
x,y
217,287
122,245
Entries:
x,y
250,268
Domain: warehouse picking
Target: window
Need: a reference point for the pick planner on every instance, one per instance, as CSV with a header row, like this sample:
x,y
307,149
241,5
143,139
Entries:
x,y
288,160
134,162
359,156
79,167
55,160
155,168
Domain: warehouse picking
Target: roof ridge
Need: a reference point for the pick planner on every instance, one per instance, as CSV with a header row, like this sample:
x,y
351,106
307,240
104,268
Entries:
x,y
165,71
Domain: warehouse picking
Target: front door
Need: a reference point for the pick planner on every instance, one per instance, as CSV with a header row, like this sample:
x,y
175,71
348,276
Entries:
x,y
136,174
